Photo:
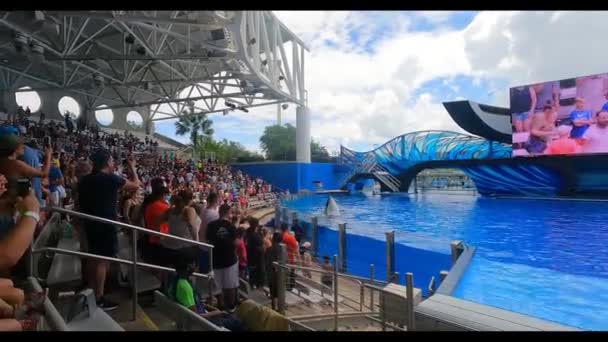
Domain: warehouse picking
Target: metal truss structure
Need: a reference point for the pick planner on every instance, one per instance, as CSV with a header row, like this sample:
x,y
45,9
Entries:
x,y
162,60
406,151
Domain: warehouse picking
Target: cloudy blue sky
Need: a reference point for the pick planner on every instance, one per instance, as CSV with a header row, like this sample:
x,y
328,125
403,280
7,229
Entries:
x,y
375,75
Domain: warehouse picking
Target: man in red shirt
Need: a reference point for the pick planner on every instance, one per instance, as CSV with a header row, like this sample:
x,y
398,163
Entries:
x,y
292,254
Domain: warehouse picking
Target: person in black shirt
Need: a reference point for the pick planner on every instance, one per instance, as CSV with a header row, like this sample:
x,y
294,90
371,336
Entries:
x,y
298,231
98,196
221,234
255,253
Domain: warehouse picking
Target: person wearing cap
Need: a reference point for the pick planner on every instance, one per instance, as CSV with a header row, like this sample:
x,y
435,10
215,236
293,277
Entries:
x,y
55,180
98,196
11,149
581,119
306,258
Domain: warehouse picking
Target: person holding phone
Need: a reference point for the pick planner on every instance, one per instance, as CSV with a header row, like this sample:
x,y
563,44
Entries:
x,y
15,242
98,196
11,149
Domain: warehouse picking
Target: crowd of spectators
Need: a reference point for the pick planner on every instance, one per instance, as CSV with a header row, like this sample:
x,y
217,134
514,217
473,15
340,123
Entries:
x,y
121,177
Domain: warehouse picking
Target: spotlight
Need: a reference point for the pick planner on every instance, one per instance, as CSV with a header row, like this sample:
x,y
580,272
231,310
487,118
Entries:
x,y
264,62
20,42
37,55
140,50
98,80
229,104
284,106
243,83
281,78
218,34
244,109
129,39
252,41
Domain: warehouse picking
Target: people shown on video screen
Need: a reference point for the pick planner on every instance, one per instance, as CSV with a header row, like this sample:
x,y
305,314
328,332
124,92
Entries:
x,y
581,119
523,102
540,127
595,139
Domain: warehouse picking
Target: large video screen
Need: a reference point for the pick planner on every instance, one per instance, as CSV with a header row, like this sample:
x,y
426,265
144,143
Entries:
x,y
560,117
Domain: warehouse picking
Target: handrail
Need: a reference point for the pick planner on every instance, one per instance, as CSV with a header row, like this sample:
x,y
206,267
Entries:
x,y
134,263
360,281
116,260
130,226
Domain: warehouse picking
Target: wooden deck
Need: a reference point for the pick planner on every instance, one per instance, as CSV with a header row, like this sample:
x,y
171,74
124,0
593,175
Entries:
x,y
446,313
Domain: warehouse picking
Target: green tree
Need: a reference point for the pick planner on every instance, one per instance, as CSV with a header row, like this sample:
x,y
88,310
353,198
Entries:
x,y
319,153
279,143
228,151
197,125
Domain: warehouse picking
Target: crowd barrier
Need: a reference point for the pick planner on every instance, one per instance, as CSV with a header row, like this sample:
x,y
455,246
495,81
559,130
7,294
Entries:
x,y
357,252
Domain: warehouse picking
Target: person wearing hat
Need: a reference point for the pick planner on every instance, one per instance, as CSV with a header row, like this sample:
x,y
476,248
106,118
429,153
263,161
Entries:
x,y
11,149
306,258
98,196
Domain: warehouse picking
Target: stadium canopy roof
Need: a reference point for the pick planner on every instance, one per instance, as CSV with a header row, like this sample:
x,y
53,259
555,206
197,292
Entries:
x,y
218,61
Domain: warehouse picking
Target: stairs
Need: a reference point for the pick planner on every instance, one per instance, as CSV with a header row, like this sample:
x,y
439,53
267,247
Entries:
x,y
369,165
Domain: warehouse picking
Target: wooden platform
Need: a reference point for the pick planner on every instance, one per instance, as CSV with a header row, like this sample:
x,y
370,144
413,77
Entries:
x,y
446,313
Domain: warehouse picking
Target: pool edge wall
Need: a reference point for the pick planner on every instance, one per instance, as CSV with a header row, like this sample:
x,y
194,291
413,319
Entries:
x,y
294,176
422,263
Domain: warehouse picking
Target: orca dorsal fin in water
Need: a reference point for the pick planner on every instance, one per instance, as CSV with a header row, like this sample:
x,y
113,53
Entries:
x,y
331,207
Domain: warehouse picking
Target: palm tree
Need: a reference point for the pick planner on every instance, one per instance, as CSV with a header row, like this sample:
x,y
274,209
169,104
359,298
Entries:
x,y
197,125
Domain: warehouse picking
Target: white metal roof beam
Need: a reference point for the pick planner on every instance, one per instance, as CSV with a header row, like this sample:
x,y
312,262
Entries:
x,y
223,109
151,103
139,18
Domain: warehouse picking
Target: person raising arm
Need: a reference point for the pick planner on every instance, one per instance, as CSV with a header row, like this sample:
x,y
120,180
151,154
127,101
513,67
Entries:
x,y
12,149
18,240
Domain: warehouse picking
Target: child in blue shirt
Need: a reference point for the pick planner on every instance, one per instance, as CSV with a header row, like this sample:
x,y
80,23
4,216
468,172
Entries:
x,y
581,119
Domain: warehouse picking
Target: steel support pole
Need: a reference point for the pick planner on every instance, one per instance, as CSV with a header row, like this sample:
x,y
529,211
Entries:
x,y
315,235
371,292
134,276
342,247
294,217
281,286
409,283
455,250
335,292
277,216
390,255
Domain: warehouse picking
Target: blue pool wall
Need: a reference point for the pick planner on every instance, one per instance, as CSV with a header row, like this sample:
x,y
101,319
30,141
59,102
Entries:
x,y
297,176
361,251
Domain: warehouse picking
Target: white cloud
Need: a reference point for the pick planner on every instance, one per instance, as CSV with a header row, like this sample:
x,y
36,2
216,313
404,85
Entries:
x,y
360,97
363,86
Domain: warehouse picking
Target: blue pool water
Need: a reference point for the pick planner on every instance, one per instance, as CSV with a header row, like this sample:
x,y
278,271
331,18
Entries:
x,y
544,258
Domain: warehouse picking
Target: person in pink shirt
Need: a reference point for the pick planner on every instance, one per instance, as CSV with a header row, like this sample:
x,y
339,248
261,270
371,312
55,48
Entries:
x,y
241,253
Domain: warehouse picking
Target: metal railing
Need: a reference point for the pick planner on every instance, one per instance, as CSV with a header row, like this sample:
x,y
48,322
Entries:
x,y
363,284
133,262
